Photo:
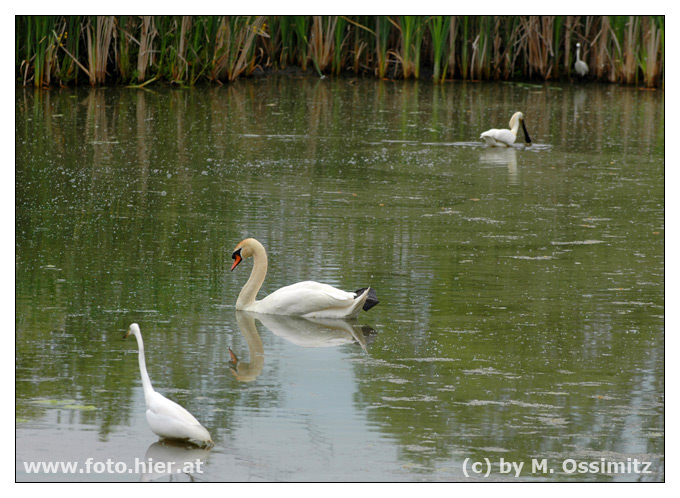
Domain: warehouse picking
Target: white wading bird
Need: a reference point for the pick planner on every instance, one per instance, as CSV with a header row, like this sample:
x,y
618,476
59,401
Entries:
x,y
580,66
166,418
505,137
308,299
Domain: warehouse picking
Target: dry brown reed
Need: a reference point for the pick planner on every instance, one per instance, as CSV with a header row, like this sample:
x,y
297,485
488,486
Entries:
x,y
321,41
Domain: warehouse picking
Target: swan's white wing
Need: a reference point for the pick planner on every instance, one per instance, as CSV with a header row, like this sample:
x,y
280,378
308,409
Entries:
x,y
161,405
488,137
168,419
494,136
305,298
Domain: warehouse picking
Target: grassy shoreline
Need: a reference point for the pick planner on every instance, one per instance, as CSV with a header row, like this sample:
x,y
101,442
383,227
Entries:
x,y
185,50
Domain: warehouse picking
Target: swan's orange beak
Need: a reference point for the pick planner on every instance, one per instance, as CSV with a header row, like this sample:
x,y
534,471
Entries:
x,y
237,259
232,357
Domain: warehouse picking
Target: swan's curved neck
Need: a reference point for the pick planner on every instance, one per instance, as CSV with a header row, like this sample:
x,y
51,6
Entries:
x,y
146,381
578,54
252,286
515,125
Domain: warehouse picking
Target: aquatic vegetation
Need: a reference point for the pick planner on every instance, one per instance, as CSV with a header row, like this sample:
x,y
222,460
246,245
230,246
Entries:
x,y
439,30
85,408
185,50
55,402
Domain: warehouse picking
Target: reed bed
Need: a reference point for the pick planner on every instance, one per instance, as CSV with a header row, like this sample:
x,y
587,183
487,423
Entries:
x,y
185,50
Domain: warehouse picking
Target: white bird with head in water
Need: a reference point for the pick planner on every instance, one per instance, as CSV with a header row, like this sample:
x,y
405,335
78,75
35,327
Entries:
x,y
165,417
506,138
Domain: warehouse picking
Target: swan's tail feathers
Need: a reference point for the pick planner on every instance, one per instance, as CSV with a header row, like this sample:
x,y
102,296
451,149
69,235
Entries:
x,y
371,300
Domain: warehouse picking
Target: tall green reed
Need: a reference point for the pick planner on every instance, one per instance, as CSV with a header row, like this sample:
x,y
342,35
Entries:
x,y
649,55
382,34
439,30
412,30
301,30
340,34
39,49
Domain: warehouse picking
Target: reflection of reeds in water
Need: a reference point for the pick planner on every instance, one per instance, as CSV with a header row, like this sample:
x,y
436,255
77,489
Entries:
x,y
188,49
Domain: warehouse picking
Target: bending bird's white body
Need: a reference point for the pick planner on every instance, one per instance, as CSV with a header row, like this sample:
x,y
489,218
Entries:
x,y
307,299
581,67
503,137
166,418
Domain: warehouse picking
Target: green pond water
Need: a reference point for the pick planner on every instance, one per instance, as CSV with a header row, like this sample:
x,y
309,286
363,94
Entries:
x,y
521,315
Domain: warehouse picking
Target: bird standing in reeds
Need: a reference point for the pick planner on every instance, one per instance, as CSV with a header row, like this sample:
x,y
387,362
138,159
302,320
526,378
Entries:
x,y
580,66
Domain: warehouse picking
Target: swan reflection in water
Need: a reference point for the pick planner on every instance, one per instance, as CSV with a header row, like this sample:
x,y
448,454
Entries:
x,y
171,459
248,371
303,332
504,157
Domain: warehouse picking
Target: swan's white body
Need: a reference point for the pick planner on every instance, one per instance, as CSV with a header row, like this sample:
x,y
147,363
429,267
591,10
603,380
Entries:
x,y
581,67
307,299
503,137
165,417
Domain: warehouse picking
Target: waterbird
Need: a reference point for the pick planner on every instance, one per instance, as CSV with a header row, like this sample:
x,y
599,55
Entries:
x,y
505,138
307,299
580,66
166,418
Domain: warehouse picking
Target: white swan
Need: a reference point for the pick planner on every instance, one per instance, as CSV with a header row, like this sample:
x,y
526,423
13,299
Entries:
x,y
580,66
505,138
165,417
308,299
